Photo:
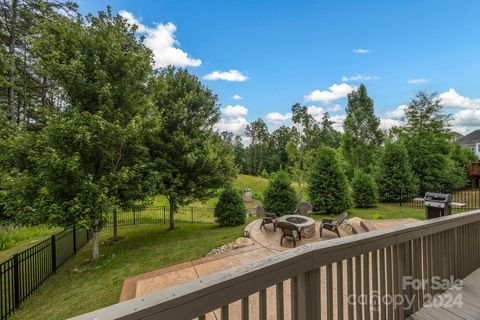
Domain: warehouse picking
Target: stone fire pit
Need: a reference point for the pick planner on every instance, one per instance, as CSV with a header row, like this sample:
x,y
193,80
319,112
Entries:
x,y
305,224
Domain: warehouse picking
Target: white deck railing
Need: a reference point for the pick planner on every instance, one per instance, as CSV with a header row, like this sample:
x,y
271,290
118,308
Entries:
x,y
317,280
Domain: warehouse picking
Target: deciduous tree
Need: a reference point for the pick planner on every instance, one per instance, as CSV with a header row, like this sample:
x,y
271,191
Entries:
x,y
191,160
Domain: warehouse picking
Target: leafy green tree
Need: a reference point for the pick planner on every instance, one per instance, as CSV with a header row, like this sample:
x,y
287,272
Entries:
x,y
426,134
258,133
462,157
279,196
230,210
26,88
328,187
90,158
395,179
239,154
277,148
362,136
364,189
328,136
192,161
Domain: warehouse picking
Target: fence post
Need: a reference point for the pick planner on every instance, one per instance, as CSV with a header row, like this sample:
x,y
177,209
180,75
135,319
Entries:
x,y
54,254
164,212
401,198
115,225
134,217
74,240
191,209
16,280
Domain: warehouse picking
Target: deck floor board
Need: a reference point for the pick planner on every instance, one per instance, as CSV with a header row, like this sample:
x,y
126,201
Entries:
x,y
468,308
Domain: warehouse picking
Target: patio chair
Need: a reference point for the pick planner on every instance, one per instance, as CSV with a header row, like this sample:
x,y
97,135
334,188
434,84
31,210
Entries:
x,y
333,225
304,209
267,218
289,230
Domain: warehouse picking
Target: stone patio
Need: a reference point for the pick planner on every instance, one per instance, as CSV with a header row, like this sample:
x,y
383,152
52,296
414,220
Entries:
x,y
266,243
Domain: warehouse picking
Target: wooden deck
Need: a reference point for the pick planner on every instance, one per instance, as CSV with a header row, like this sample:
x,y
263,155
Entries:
x,y
456,303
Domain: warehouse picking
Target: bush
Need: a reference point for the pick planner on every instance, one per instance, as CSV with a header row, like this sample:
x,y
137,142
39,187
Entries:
x,y
230,210
327,184
395,179
280,197
365,191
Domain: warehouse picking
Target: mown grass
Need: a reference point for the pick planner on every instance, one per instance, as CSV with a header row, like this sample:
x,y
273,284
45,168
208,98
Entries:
x,y
78,287
17,239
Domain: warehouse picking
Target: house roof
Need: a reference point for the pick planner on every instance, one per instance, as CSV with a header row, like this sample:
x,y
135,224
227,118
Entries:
x,y
470,138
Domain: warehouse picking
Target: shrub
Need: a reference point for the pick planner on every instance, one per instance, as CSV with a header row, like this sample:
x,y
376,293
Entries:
x,y
230,210
395,179
365,191
327,184
280,197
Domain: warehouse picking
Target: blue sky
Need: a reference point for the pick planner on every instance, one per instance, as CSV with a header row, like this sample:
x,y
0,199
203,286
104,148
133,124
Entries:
x,y
282,52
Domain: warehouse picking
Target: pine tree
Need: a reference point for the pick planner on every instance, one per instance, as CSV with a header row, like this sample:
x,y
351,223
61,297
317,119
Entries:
x,y
230,210
362,136
365,191
328,187
280,197
395,178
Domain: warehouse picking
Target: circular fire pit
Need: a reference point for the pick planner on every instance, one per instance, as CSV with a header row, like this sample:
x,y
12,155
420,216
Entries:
x,y
305,224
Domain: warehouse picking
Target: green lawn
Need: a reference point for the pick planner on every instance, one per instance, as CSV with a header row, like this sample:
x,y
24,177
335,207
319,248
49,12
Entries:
x,y
14,240
73,290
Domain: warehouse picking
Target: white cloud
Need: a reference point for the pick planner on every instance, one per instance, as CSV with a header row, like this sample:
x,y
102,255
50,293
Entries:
x,y
335,92
335,108
417,81
398,112
387,124
237,97
233,120
161,40
361,50
451,98
277,118
133,21
338,122
235,111
359,77
466,121
231,75
235,125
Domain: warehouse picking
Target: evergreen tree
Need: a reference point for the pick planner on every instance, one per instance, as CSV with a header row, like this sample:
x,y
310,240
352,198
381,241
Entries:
x,y
328,187
364,188
395,178
362,136
426,134
279,196
27,86
230,210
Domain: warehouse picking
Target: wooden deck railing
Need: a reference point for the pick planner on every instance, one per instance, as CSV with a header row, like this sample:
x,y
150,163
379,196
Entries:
x,y
323,280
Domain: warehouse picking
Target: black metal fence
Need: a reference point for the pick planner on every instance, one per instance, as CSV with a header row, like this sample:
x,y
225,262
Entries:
x,y
21,275
161,215
470,197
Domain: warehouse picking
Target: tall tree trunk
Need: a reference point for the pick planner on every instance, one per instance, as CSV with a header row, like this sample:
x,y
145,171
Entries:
x,y
95,246
11,52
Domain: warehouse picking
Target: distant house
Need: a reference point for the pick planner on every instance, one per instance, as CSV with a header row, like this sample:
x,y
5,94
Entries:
x,y
472,141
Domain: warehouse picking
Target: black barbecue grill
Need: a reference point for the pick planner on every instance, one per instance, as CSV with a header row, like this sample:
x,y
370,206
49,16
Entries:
x,y
437,204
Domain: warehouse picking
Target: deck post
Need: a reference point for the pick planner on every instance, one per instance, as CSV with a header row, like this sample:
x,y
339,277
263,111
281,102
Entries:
x,y
309,295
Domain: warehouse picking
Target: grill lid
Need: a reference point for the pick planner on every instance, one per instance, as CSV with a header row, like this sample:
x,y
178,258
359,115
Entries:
x,y
437,197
